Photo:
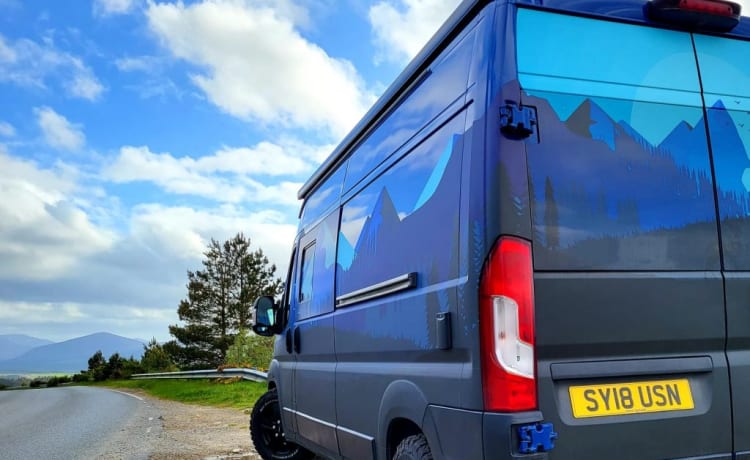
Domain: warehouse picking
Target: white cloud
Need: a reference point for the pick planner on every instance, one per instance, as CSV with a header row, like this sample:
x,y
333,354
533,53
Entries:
x,y
256,66
63,267
147,64
32,65
6,129
84,85
58,321
185,231
223,177
44,233
403,27
58,131
6,52
113,7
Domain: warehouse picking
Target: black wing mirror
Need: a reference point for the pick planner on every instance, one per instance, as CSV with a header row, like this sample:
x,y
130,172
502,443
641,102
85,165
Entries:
x,y
266,316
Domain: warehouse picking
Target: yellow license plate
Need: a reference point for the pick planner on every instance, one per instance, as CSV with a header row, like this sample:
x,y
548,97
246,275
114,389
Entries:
x,y
630,398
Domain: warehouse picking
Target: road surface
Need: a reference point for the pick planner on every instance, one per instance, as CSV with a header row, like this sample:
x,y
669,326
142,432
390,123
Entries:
x,y
75,423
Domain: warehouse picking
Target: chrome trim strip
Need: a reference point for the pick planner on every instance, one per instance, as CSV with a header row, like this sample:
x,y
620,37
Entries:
x,y
313,419
331,425
391,286
356,434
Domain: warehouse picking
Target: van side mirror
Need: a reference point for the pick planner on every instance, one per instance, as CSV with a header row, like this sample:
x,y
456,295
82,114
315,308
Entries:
x,y
266,316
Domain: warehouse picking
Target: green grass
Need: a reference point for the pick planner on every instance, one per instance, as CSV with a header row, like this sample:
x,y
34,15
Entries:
x,y
239,394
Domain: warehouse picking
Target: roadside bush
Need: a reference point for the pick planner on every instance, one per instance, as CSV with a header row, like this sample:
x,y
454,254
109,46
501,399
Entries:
x,y
2,387
250,350
36,383
156,359
55,381
82,376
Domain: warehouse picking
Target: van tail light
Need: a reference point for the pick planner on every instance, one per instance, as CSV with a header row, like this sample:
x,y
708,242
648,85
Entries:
x,y
506,296
718,15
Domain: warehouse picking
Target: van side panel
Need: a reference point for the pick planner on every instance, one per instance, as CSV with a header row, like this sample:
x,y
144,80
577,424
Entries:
x,y
725,74
400,221
404,222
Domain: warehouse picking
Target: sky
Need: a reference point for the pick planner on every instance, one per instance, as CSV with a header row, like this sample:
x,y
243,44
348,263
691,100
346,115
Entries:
x,y
134,131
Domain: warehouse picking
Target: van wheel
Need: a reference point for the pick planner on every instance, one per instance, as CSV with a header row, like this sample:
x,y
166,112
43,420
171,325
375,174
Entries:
x,y
267,433
413,448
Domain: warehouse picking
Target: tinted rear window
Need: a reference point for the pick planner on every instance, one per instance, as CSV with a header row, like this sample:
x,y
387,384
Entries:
x,y
621,179
725,71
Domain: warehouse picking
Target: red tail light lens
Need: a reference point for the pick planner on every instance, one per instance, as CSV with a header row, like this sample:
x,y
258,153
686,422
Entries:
x,y
718,15
507,328
706,6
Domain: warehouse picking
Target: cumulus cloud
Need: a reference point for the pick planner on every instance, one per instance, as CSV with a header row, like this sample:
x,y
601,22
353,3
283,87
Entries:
x,y
255,65
44,231
33,65
60,321
113,7
146,64
58,131
184,230
402,27
6,129
230,175
63,265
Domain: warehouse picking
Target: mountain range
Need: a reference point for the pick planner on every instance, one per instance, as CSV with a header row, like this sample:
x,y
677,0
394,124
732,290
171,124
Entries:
x,y
30,354
14,345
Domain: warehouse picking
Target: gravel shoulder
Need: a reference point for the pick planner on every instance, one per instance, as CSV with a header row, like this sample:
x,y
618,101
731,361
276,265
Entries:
x,y
169,430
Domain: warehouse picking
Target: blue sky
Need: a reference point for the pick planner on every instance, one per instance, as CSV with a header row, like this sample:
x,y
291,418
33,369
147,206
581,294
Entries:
x,y
133,131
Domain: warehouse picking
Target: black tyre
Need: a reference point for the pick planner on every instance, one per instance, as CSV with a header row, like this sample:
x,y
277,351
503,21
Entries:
x,y
267,434
413,448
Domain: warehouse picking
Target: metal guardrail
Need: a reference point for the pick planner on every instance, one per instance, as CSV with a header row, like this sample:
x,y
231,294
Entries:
x,y
246,374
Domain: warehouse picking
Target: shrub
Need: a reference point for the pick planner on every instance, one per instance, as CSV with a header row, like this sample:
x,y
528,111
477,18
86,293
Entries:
x,y
156,358
83,376
250,350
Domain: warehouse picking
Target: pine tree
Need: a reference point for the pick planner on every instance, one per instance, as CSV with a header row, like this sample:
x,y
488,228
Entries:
x,y
219,302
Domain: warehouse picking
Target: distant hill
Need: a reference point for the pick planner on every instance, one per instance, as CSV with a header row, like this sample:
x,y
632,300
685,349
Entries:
x,y
72,355
14,345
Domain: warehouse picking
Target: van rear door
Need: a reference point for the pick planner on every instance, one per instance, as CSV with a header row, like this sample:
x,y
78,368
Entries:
x,y
630,313
725,73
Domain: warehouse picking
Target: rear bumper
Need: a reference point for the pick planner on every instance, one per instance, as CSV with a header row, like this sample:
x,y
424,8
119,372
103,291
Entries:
x,y
476,435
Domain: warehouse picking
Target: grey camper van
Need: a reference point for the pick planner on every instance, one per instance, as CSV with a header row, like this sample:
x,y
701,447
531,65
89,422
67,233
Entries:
x,y
536,245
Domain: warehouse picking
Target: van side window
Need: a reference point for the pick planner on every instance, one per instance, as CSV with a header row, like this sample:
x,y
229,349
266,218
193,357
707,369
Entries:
x,y
323,198
406,220
621,178
318,268
308,263
446,81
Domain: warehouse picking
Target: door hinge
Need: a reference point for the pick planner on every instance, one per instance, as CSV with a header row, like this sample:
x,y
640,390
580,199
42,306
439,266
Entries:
x,y
518,121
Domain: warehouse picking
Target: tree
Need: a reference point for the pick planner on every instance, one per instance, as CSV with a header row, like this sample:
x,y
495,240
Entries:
x,y
156,359
250,350
219,302
98,367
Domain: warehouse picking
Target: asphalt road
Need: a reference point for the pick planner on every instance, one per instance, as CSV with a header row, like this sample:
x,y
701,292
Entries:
x,y
75,423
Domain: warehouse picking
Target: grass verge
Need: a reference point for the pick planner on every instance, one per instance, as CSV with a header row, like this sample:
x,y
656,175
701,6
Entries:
x,y
240,394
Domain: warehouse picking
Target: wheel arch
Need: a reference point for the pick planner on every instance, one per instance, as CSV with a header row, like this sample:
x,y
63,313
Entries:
x,y
403,412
